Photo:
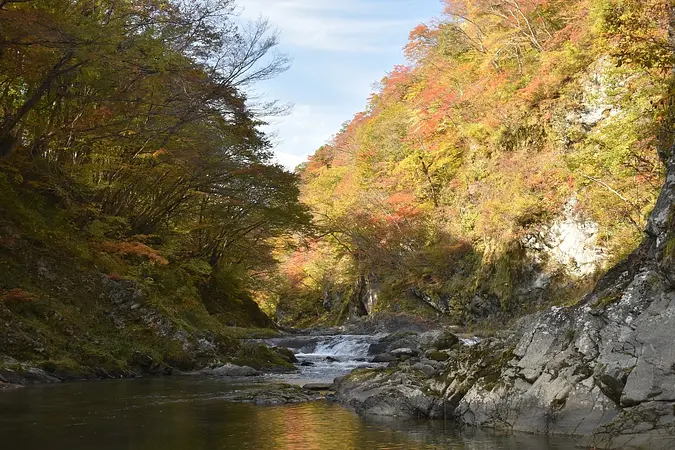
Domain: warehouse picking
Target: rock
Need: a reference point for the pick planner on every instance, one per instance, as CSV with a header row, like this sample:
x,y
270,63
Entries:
x,y
384,357
399,352
438,356
332,359
427,369
386,394
307,363
445,340
305,343
286,354
231,370
403,339
318,387
272,394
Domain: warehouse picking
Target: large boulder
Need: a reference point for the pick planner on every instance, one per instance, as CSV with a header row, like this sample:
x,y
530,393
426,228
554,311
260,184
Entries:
x,y
231,370
381,393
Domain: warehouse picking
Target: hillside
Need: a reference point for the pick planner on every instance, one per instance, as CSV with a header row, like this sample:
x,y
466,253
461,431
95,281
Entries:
x,y
137,191
512,162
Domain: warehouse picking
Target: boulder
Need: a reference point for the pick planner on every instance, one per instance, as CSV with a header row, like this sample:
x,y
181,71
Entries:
x,y
387,394
446,340
272,394
427,369
403,339
231,370
399,352
286,354
384,357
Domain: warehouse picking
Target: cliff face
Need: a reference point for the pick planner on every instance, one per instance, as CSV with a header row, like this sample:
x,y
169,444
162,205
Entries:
x,y
603,369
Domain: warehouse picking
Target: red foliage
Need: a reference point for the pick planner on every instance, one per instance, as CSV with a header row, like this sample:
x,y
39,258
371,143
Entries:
x,y
421,40
395,82
16,295
133,248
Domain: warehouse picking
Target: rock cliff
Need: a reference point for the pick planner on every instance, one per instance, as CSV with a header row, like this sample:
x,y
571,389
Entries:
x,y
603,369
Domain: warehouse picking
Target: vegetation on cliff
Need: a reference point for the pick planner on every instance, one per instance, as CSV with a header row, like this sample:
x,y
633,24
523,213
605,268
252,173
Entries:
x,y
513,120
137,192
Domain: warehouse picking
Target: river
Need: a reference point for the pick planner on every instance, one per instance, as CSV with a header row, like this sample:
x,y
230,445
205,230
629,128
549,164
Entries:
x,y
193,413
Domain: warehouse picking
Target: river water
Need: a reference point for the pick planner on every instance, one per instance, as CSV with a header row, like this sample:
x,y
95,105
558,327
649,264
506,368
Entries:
x,y
193,413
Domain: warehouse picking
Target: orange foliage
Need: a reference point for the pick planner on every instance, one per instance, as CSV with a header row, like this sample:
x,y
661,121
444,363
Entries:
x,y
17,296
132,248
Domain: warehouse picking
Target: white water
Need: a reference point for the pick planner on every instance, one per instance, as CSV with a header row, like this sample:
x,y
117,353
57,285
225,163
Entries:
x,y
331,357
323,358
345,346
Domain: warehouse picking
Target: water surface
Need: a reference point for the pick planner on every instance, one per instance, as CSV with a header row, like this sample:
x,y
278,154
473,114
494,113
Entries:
x,y
189,413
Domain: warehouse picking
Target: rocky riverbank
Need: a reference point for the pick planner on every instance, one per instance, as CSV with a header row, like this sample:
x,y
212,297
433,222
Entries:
x,y
603,369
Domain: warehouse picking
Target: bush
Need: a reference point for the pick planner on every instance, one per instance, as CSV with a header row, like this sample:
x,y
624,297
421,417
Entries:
x,y
17,296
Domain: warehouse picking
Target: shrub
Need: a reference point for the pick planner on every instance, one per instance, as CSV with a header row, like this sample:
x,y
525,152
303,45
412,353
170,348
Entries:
x,y
133,249
16,295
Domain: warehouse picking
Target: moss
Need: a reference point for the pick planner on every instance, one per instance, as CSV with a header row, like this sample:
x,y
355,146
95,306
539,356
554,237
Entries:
x,y
286,354
75,319
260,356
607,300
361,375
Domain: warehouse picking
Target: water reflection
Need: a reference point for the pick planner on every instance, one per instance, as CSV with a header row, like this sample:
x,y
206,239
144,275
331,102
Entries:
x,y
190,414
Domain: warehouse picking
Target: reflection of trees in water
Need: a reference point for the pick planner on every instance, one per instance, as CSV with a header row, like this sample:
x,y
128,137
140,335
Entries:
x,y
190,414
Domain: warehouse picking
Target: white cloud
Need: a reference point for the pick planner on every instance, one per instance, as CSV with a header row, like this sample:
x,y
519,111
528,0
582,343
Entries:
x,y
340,48
346,26
306,129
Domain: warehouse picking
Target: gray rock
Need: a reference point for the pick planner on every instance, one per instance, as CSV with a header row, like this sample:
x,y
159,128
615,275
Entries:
x,y
399,352
384,357
427,369
231,370
272,394
385,394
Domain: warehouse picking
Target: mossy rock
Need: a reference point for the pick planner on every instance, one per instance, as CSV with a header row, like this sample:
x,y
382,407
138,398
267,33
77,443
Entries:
x,y
447,341
438,356
398,335
286,354
262,357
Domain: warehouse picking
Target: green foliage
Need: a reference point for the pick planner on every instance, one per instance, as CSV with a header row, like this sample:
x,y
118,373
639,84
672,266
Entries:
x,y
476,147
138,194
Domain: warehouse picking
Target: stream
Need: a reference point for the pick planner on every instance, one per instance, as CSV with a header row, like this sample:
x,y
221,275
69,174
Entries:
x,y
193,413
322,358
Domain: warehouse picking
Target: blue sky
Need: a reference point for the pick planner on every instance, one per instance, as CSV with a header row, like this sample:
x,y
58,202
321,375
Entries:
x,y
340,48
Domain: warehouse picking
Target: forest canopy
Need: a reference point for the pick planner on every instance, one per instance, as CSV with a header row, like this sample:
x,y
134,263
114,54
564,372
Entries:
x,y
508,115
135,118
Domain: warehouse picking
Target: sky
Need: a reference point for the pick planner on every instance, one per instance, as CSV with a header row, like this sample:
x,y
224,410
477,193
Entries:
x,y
339,49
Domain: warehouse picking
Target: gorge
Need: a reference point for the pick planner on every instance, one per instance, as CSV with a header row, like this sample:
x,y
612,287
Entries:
x,y
484,257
